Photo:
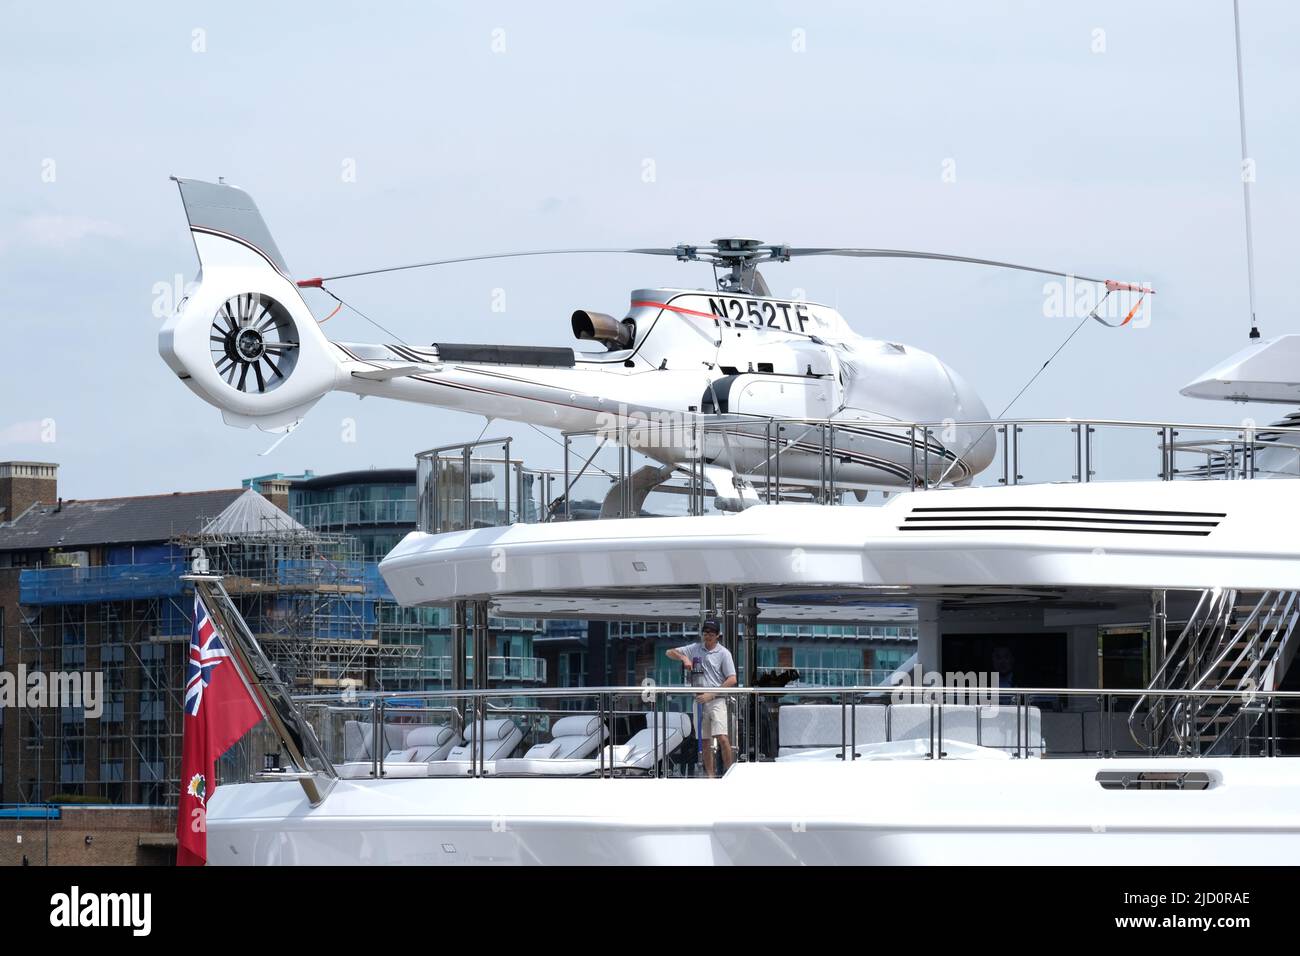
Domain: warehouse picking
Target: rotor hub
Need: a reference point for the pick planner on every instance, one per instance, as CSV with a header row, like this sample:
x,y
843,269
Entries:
x,y
739,248
249,345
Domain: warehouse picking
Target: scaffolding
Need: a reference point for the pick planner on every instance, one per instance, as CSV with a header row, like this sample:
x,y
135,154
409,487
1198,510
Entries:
x,y
313,604
323,616
131,754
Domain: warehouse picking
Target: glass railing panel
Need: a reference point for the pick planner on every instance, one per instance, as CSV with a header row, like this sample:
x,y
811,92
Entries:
x,y
651,730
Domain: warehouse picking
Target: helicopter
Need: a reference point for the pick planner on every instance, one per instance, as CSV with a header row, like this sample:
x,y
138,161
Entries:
x,y
245,341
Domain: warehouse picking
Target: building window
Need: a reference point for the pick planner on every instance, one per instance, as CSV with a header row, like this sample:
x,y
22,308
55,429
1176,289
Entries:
x,y
573,669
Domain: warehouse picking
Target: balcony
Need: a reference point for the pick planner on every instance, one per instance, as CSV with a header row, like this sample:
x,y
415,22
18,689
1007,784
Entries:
x,y
528,670
336,516
531,670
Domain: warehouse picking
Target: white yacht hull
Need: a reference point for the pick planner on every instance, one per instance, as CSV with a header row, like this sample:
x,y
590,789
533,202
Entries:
x,y
866,812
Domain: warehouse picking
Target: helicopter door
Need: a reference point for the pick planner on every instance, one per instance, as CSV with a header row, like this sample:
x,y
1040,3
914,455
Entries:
x,y
783,396
778,396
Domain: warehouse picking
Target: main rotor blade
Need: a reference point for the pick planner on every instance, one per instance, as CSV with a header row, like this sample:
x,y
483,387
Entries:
x,y
315,283
938,256
728,258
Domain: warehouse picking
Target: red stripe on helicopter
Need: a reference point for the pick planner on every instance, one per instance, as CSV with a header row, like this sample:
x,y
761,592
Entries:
x,y
677,308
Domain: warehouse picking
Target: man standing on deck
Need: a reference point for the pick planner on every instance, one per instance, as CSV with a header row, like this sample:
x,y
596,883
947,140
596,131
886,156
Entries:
x,y
709,664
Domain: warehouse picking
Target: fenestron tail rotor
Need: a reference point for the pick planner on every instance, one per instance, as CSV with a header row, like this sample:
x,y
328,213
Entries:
x,y
252,342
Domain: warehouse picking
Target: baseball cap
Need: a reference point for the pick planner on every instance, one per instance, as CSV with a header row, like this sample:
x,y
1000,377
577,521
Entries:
x,y
710,625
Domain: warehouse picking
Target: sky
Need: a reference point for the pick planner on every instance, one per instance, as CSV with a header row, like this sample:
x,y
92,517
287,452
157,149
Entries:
x,y
1096,137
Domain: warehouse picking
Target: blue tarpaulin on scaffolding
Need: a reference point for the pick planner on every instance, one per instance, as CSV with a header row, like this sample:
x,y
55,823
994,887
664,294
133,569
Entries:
x,y
346,615
318,571
29,812
121,582
376,586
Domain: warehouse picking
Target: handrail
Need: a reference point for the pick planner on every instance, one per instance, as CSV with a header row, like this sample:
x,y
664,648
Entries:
x,y
1159,677
1190,710
1263,642
737,419
1227,646
1223,452
1202,649
1177,717
1286,647
457,446
650,691
752,723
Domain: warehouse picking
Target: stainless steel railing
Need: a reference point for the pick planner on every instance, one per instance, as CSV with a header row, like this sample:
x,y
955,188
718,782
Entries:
x,y
1031,722
1220,649
478,484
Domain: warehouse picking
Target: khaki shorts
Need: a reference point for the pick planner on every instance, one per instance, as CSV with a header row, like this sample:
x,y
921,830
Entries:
x,y
713,718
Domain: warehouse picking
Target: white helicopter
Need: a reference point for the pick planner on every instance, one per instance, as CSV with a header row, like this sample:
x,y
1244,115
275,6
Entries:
x,y
245,341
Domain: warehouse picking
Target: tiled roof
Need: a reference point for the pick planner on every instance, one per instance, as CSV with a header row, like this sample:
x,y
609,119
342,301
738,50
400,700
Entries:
x,y
149,518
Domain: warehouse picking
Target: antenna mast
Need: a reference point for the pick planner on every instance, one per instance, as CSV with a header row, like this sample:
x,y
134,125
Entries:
x,y
1246,176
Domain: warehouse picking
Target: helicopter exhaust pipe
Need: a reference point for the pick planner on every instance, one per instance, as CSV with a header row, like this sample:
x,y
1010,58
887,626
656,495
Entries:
x,y
599,327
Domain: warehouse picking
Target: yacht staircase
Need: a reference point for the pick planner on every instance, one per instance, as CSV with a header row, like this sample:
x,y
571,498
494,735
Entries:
x,y
1236,643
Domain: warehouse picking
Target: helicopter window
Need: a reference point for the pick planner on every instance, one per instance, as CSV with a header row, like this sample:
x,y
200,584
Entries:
x,y
765,367
728,369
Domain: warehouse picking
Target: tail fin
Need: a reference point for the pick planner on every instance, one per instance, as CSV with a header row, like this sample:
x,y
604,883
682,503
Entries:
x,y
244,340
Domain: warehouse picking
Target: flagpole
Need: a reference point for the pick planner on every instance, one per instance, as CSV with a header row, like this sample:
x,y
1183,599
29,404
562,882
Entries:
x,y
316,773
242,668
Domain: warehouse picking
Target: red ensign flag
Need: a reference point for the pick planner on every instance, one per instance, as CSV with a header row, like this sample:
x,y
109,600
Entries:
x,y
218,711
